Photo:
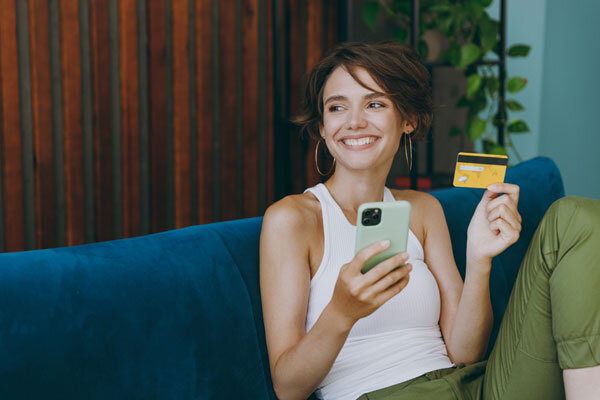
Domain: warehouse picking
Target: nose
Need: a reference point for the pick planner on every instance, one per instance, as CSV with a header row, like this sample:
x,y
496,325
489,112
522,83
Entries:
x,y
356,119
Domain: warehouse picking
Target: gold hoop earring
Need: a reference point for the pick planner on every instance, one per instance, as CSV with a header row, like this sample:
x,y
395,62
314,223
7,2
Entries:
x,y
406,152
317,160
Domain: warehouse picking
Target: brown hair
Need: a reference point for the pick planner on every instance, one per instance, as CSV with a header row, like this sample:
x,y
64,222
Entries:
x,y
395,68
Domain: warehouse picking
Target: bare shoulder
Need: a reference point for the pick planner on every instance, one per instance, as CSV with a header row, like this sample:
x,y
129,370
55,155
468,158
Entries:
x,y
293,212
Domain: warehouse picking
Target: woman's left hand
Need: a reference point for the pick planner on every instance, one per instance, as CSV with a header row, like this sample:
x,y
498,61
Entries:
x,y
496,223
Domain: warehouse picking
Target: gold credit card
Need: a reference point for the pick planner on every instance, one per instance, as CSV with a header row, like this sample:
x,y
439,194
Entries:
x,y
479,170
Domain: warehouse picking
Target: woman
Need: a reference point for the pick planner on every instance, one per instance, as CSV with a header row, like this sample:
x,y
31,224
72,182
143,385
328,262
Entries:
x,y
390,333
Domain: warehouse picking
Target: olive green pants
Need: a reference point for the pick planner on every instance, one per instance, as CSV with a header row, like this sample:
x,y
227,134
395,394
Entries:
x,y
552,321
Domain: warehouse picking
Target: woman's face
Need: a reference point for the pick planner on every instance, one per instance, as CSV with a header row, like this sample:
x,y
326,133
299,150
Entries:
x,y
362,128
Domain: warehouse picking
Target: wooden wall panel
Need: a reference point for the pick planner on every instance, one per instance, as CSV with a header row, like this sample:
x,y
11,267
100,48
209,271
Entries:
x,y
72,121
10,152
314,50
130,138
204,110
250,105
297,63
101,118
270,111
164,113
228,108
157,104
181,109
41,99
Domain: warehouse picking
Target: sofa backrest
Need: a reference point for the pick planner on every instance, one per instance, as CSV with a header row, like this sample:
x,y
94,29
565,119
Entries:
x,y
178,314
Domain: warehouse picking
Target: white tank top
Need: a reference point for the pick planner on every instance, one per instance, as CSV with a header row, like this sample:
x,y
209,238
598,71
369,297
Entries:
x,y
400,340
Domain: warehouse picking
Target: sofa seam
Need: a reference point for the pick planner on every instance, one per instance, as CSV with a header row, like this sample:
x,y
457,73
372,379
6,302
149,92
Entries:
x,y
251,308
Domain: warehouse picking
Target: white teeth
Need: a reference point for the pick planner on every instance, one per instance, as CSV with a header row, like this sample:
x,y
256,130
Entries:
x,y
359,142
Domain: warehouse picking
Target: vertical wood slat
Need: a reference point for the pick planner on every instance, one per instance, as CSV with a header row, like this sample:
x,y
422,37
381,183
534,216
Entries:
x,y
181,108
314,50
228,111
250,105
130,152
12,175
157,108
72,117
41,104
270,117
204,110
99,36
296,74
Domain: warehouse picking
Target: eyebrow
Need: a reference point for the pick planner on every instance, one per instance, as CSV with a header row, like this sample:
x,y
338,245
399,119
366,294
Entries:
x,y
369,96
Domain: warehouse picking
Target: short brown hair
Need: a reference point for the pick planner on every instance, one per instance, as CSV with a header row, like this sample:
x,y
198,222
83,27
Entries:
x,y
395,68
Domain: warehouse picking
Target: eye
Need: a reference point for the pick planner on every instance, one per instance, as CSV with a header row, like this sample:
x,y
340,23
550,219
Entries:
x,y
376,105
335,108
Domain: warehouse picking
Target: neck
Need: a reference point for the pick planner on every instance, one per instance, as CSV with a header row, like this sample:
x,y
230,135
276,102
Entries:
x,y
350,189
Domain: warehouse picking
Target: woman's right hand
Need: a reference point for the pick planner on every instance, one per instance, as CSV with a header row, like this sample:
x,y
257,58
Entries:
x,y
357,295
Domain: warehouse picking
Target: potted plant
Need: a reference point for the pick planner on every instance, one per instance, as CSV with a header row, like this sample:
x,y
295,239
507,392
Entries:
x,y
462,34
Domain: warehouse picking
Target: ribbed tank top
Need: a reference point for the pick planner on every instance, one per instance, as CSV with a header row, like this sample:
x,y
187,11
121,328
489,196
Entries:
x,y
400,340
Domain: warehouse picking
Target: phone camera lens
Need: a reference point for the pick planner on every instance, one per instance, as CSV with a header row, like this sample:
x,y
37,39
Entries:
x,y
366,221
375,217
367,213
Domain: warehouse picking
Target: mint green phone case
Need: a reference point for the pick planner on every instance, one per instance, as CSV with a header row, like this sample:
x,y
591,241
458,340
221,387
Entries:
x,y
393,225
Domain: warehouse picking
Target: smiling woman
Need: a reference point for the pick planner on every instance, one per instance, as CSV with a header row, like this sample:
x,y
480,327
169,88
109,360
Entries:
x,y
375,335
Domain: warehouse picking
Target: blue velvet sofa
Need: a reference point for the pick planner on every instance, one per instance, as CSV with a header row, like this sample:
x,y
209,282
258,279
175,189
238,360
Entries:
x,y
177,315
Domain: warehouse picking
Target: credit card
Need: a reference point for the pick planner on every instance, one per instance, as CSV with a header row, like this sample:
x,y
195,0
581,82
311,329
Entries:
x,y
479,170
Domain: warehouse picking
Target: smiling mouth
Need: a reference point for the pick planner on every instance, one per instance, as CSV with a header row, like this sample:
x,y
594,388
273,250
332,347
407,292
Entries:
x,y
360,142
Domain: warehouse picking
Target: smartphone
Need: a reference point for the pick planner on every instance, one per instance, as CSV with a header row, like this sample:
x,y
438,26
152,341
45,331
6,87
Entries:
x,y
382,220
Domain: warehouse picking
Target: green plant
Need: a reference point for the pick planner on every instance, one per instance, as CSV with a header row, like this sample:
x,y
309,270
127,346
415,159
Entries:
x,y
469,34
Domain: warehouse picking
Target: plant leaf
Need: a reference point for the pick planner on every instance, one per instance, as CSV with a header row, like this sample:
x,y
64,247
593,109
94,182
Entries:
x,y
476,128
454,131
514,105
370,10
463,102
516,84
485,3
492,147
469,53
452,55
517,126
399,35
491,84
488,32
473,84
423,49
518,50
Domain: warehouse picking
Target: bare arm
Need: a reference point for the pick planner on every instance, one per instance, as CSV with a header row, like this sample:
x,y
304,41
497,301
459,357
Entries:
x,y
299,361
466,313
466,318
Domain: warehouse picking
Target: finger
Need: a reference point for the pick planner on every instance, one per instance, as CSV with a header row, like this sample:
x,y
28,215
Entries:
x,y
365,254
384,268
487,196
506,213
384,296
507,201
509,188
504,230
391,279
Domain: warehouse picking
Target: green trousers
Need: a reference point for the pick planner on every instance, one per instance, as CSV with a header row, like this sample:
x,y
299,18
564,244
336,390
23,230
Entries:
x,y
552,321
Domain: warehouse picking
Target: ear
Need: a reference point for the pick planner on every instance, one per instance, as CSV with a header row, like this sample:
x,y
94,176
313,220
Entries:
x,y
408,126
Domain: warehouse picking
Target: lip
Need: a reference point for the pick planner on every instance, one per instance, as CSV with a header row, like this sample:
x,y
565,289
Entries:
x,y
362,146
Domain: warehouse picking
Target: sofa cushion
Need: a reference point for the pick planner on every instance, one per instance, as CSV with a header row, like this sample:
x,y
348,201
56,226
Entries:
x,y
170,315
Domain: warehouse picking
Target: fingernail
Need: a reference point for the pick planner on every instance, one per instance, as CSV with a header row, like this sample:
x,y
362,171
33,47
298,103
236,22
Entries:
x,y
385,243
409,267
493,187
